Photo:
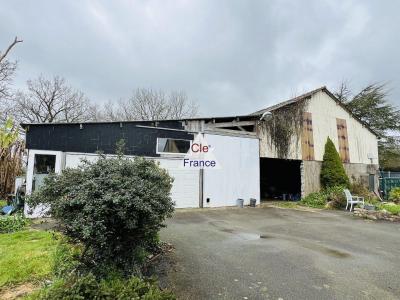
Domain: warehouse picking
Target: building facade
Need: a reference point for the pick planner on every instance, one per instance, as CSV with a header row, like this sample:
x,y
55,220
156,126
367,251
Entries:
x,y
223,180
323,116
254,161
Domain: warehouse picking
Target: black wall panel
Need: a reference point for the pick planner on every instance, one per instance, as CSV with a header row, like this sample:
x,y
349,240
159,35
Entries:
x,y
102,137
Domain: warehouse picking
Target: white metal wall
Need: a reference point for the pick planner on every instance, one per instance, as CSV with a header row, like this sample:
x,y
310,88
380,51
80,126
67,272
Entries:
x,y
239,174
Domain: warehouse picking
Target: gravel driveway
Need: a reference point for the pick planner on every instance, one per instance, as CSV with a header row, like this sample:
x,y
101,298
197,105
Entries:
x,y
273,253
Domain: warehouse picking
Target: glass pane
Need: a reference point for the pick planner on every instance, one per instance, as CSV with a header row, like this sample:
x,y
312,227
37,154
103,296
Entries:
x,y
173,145
44,164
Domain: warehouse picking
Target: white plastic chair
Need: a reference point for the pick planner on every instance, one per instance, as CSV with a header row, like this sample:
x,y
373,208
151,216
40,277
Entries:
x,y
352,199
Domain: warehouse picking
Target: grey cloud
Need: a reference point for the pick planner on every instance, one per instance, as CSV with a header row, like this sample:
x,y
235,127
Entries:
x,y
233,57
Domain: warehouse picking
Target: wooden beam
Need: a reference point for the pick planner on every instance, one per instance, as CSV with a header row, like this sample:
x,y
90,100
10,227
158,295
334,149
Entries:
x,y
230,132
232,124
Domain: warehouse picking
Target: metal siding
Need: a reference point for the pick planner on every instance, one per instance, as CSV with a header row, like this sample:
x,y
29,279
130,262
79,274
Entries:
x,y
239,174
101,137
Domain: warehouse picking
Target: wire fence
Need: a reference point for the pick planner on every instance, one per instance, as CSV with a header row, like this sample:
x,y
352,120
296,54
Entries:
x,y
389,174
387,181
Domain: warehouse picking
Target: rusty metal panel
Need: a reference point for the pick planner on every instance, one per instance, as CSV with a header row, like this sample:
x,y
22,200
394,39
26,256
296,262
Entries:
x,y
307,138
343,139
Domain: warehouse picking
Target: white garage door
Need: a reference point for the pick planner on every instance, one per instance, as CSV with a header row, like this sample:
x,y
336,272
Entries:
x,y
185,189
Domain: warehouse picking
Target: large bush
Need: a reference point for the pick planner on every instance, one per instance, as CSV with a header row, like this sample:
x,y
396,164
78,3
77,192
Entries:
x,y
113,207
87,287
332,170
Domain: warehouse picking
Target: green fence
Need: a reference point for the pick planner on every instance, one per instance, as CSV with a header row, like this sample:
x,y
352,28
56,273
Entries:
x,y
386,184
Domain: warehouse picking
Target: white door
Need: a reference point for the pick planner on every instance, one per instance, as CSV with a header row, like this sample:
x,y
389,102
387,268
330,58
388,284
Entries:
x,y
185,189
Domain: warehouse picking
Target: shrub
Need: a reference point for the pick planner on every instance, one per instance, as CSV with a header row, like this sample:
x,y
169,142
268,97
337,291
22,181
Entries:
x,y
394,195
87,287
359,189
12,223
316,200
332,170
113,207
335,196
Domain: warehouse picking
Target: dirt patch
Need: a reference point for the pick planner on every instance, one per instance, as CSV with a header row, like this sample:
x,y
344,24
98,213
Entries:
x,y
18,291
44,224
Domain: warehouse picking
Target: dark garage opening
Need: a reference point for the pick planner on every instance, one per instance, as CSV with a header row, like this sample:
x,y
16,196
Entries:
x,y
280,179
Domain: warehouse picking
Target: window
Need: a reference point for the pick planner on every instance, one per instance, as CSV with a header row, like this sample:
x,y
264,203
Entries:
x,y
44,164
168,145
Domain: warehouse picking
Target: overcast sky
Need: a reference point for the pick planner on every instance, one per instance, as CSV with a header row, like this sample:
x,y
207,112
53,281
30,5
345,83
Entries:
x,y
232,57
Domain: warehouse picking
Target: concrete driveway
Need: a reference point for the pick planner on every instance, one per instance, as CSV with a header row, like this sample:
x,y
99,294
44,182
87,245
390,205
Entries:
x,y
273,253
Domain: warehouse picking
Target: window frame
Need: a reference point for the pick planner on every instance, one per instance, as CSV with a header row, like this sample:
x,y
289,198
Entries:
x,y
173,153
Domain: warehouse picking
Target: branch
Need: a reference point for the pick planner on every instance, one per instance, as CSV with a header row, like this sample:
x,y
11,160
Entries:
x,y
16,41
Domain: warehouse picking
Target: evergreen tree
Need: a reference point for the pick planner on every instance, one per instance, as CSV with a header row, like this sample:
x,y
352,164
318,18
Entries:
x,y
332,170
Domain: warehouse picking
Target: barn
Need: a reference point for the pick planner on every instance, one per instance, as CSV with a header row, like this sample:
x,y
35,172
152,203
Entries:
x,y
274,153
292,138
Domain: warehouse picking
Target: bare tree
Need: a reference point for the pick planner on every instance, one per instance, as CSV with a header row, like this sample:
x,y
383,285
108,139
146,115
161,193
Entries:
x,y
343,93
148,104
51,100
7,71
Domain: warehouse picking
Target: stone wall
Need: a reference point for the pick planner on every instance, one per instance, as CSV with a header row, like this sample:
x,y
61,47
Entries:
x,y
311,170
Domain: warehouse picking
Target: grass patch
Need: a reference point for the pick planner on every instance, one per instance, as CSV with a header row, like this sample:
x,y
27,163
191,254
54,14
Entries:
x,y
286,204
25,256
390,207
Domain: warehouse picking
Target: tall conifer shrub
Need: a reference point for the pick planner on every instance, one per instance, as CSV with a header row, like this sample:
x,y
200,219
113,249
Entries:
x,y
332,170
